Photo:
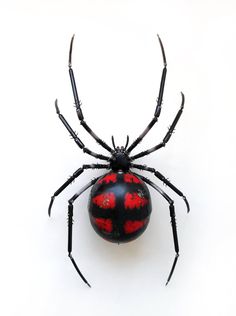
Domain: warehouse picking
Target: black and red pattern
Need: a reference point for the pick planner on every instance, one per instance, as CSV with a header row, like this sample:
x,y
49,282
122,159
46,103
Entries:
x,y
120,204
120,209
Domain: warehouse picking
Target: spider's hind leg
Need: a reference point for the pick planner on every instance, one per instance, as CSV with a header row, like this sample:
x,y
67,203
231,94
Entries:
x,y
70,224
173,222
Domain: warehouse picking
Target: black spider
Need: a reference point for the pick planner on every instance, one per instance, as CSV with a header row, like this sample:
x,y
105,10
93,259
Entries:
x,y
120,190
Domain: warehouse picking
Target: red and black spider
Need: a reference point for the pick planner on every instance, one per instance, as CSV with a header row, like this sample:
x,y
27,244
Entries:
x,y
120,204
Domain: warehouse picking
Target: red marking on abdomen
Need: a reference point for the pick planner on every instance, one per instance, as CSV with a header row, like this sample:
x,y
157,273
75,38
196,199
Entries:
x,y
112,177
132,226
134,200
130,178
106,200
104,224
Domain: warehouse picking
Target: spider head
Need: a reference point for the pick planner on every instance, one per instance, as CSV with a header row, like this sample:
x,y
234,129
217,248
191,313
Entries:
x,y
120,159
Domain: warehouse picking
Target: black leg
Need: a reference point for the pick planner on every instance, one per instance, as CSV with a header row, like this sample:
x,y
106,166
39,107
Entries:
x,y
76,138
173,222
70,224
159,102
167,136
78,103
164,180
72,178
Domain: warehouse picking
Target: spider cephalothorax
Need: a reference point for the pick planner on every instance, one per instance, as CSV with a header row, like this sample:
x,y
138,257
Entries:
x,y
120,203
120,158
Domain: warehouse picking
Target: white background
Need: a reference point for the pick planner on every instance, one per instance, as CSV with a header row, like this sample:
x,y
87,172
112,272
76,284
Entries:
x,y
118,64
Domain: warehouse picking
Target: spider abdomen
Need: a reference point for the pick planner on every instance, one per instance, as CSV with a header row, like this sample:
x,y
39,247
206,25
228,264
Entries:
x,y
119,206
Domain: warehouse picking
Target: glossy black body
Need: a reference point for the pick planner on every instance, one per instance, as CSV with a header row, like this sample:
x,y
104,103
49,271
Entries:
x,y
120,214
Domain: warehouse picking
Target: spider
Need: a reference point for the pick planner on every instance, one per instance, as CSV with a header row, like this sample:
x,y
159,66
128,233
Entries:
x,y
119,203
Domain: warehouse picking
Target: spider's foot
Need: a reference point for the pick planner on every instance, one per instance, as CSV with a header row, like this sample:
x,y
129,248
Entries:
x,y
56,106
173,268
50,205
187,204
78,270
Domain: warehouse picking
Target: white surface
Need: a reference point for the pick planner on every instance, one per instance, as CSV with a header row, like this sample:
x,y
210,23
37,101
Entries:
x,y
118,64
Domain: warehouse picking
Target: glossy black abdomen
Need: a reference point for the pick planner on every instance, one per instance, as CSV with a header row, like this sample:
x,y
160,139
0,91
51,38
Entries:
x,y
119,206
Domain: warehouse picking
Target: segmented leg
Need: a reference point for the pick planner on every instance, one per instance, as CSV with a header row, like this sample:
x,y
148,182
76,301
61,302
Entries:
x,y
159,102
70,224
167,136
72,178
164,180
78,103
173,222
76,138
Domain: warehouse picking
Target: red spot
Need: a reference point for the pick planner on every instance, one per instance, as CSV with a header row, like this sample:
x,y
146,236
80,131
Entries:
x,y
132,226
111,177
106,200
130,178
134,200
104,224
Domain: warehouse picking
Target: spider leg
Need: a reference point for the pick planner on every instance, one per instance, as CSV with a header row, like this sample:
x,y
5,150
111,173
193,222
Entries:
x,y
72,178
78,103
159,101
164,180
173,222
167,136
76,138
70,224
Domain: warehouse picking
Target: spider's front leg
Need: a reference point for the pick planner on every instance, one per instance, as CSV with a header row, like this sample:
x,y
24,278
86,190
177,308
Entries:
x,y
72,178
78,103
159,101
